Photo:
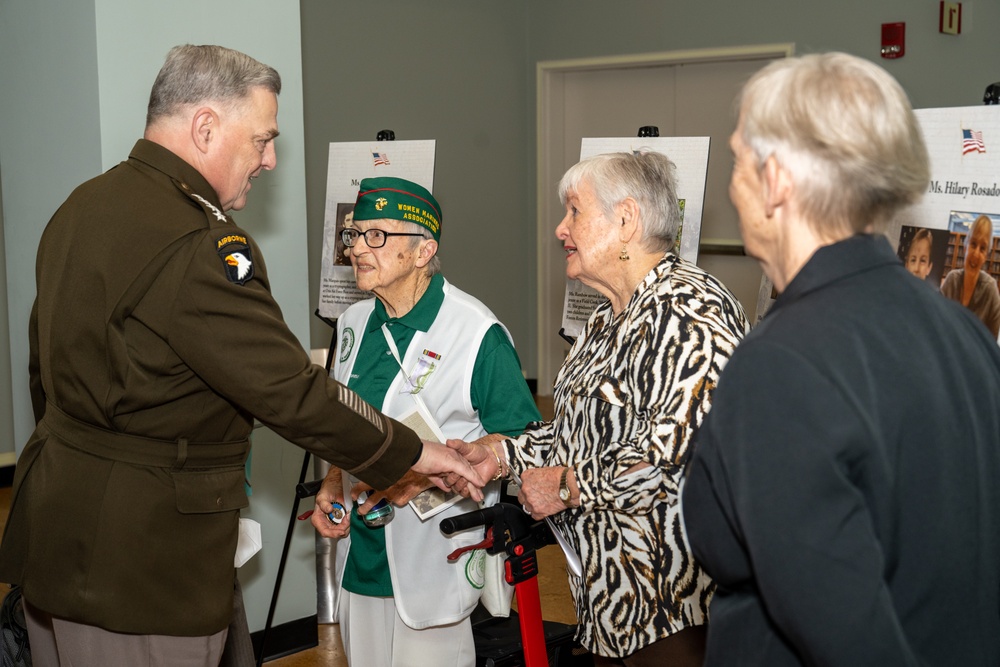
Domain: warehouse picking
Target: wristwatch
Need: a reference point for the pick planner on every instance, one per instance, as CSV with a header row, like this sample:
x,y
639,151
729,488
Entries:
x,y
564,494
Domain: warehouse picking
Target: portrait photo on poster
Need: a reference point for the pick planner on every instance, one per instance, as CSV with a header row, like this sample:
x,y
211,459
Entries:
x,y
963,221
981,231
923,252
345,220
972,265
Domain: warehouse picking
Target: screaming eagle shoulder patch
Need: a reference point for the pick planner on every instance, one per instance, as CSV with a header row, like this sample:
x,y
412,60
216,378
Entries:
x,y
237,260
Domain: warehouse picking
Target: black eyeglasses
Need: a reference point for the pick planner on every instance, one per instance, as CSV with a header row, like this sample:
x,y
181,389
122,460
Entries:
x,y
375,238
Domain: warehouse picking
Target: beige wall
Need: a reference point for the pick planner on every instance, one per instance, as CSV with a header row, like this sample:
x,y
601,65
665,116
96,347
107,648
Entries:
x,y
456,71
450,70
6,404
464,73
76,79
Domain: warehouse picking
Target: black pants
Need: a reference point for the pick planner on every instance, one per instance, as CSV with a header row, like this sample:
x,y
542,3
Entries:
x,y
681,649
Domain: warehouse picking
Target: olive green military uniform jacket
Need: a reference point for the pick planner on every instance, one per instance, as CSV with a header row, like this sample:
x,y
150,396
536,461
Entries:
x,y
155,341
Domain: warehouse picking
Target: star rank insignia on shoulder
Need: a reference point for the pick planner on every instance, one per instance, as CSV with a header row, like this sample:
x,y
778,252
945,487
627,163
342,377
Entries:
x,y
219,215
237,259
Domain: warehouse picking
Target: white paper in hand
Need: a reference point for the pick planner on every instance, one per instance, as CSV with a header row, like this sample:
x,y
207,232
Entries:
x,y
431,501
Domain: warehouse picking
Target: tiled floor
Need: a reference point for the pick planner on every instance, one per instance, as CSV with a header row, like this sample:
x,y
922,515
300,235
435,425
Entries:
x,y
552,584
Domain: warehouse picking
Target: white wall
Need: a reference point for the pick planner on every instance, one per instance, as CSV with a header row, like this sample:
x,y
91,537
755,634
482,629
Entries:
x,y
76,79
49,143
6,401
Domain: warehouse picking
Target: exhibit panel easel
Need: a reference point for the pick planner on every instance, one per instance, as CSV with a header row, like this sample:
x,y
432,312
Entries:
x,y
963,144
690,156
964,148
348,164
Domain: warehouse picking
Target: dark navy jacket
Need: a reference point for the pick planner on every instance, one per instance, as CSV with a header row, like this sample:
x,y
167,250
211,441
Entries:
x,y
845,487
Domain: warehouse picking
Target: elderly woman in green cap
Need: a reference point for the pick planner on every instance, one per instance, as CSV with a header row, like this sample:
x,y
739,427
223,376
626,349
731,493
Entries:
x,y
419,346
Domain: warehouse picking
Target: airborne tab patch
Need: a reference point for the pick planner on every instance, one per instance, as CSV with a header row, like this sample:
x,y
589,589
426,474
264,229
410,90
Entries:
x,y
237,261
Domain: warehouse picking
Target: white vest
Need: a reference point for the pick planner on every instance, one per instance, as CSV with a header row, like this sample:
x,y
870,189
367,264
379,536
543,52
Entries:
x,y
428,590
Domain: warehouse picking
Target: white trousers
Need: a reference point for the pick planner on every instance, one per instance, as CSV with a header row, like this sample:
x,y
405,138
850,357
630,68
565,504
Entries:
x,y
374,635
56,642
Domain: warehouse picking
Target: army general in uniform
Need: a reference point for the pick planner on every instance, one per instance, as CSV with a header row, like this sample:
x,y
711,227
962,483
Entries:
x,y
155,342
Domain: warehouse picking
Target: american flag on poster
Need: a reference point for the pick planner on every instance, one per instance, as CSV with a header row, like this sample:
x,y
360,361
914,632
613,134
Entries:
x,y
380,159
972,141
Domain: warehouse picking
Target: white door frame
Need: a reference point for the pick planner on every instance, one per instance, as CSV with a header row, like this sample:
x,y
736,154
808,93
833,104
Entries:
x,y
549,81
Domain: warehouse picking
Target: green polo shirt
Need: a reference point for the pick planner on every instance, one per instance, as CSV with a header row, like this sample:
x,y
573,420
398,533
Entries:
x,y
499,394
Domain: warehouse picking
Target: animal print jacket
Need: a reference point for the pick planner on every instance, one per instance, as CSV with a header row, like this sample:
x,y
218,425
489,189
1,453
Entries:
x,y
632,391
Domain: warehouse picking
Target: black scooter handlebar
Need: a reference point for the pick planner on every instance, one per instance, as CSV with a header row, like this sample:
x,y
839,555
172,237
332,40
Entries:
x,y
481,517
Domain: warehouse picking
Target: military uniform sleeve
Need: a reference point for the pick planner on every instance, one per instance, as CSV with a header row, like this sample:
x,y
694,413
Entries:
x,y
225,324
34,367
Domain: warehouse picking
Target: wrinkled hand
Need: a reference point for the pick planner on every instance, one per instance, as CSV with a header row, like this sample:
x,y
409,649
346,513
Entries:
x,y
371,499
540,492
446,468
398,494
480,454
332,491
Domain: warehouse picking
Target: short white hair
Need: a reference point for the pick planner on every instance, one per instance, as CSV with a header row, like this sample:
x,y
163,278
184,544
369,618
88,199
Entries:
x,y
195,74
845,130
646,176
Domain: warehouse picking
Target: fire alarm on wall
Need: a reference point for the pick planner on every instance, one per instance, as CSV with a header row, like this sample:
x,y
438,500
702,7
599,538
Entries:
x,y
893,40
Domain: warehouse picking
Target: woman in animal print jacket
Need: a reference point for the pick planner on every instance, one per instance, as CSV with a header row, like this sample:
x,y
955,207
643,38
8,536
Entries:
x,y
636,384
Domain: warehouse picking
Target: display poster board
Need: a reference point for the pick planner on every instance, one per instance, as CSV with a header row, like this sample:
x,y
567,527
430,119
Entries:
x,y
349,163
690,155
961,205
963,144
765,298
964,148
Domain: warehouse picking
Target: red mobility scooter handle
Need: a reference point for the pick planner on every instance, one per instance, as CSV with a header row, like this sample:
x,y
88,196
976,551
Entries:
x,y
510,531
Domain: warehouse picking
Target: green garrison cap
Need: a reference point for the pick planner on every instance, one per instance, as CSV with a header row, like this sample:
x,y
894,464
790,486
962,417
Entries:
x,y
398,199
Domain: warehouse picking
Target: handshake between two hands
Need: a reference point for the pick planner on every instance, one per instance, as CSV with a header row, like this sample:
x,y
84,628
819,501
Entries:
x,y
460,466
456,466
473,464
